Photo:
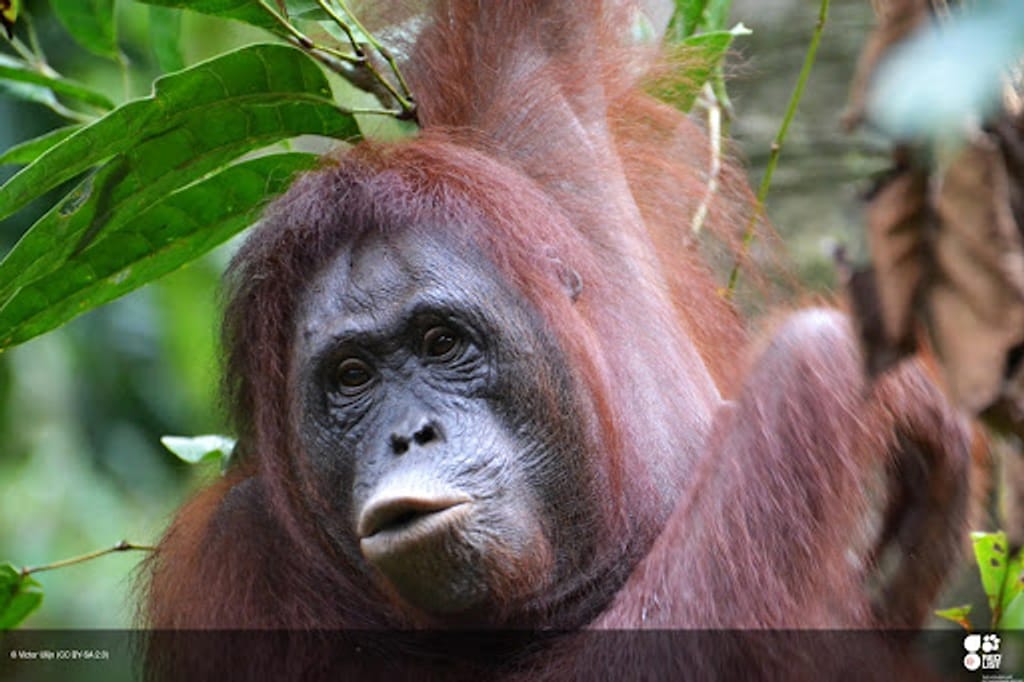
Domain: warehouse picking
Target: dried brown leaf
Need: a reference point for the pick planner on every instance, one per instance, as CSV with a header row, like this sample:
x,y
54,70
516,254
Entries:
x,y
975,301
898,219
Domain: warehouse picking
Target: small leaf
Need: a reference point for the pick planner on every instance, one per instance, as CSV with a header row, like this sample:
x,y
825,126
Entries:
x,y
958,615
706,52
165,35
211,448
91,23
991,554
20,595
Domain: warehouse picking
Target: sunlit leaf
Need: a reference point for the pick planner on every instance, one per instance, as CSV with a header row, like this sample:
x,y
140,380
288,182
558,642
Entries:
x,y
958,615
990,551
196,449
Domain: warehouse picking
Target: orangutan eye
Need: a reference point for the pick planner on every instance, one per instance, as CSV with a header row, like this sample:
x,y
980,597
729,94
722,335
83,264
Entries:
x,y
353,373
441,343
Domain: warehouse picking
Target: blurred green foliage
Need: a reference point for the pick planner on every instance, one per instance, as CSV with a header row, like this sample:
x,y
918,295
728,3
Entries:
x,y
82,409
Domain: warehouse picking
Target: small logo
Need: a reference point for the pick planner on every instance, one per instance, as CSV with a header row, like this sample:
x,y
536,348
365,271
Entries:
x,y
988,645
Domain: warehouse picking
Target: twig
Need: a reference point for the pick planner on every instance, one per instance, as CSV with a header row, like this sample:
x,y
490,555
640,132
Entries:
x,y
403,98
386,53
303,40
347,65
123,546
776,149
715,133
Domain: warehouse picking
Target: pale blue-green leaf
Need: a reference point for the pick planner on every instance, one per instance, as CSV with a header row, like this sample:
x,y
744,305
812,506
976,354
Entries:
x,y
195,449
946,76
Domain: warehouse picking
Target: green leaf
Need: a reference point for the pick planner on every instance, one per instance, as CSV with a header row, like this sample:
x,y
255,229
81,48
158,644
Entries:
x,y
164,236
1012,581
198,121
686,19
991,554
29,151
212,448
709,51
1013,614
716,15
248,11
958,615
91,23
265,86
19,596
165,34
12,69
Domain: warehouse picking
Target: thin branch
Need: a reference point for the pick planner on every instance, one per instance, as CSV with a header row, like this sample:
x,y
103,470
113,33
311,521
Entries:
x,y
776,149
123,546
385,52
715,134
337,19
403,98
303,40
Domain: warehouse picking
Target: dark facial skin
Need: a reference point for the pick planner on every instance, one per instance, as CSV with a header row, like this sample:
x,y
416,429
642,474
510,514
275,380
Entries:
x,y
441,425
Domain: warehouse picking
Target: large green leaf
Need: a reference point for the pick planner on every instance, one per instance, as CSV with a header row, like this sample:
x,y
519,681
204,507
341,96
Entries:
x,y
248,80
172,232
249,11
198,121
91,23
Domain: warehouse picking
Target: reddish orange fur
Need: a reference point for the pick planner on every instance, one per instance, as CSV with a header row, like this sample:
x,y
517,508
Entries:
x,y
535,128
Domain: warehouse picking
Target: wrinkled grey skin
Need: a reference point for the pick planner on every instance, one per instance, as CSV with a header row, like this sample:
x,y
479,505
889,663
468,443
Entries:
x,y
494,423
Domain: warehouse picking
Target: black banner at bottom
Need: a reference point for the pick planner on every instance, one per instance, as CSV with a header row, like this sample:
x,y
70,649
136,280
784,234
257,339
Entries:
x,y
226,656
